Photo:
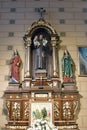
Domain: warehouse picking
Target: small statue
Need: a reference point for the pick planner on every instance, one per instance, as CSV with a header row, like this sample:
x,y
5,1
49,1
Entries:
x,y
67,67
40,45
15,63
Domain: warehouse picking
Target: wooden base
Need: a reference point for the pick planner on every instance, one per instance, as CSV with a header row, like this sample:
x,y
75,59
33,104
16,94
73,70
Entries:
x,y
19,102
40,73
64,127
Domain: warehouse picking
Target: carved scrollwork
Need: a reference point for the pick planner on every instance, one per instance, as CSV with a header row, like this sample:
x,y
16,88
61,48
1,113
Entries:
x,y
8,107
27,41
67,111
56,110
42,23
75,107
16,109
26,110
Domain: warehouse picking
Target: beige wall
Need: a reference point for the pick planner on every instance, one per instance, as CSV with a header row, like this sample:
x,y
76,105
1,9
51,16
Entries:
x,y
68,17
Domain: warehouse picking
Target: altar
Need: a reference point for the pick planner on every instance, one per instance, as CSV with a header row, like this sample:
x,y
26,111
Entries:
x,y
41,90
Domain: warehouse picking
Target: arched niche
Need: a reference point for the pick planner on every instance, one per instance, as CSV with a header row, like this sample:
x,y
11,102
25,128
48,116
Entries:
x,y
46,59
41,27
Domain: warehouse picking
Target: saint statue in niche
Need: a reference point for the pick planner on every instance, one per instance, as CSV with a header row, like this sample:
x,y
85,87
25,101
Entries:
x,y
40,44
15,63
67,67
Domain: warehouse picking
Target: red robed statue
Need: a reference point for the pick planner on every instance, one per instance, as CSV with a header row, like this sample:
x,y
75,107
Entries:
x,y
15,67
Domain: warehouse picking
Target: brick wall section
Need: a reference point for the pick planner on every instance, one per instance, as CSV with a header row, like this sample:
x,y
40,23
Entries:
x,y
68,17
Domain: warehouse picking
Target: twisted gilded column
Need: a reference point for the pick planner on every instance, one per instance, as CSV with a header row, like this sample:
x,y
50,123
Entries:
x,y
27,57
55,66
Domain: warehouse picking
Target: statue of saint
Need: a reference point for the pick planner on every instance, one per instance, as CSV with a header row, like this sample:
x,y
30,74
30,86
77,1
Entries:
x,y
40,44
15,67
67,67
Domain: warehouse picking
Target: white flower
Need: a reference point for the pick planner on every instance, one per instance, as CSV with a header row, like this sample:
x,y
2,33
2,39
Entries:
x,y
42,125
29,129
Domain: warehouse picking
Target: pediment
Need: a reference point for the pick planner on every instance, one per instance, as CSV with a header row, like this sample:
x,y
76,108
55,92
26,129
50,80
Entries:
x,y
41,24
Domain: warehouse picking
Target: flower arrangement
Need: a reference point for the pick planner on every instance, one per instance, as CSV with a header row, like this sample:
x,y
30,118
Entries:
x,y
42,125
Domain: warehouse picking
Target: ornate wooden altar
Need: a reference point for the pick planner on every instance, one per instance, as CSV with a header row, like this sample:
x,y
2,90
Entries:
x,y
41,85
64,106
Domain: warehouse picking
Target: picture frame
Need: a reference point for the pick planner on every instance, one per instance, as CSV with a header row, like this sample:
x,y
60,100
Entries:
x,y
38,107
82,60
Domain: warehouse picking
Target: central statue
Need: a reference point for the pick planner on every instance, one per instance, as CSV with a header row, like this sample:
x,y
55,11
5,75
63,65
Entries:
x,y
40,44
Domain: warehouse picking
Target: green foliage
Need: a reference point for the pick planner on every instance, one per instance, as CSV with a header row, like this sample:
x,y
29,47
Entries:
x,y
44,112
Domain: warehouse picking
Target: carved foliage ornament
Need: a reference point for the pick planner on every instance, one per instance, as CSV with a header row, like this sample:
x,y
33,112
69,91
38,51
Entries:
x,y
8,107
56,110
41,23
16,108
26,110
67,110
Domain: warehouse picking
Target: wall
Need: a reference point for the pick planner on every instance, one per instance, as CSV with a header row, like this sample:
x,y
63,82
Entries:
x,y
68,17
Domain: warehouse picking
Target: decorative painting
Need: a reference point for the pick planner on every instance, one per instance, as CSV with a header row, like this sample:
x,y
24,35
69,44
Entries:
x,y
40,111
82,61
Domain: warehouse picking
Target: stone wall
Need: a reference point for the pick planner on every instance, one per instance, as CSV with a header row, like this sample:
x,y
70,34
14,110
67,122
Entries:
x,y
68,17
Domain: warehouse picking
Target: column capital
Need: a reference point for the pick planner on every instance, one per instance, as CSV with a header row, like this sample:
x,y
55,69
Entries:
x,y
53,41
27,41
55,74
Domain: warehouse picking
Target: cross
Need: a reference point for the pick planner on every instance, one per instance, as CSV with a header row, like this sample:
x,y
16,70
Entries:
x,y
41,11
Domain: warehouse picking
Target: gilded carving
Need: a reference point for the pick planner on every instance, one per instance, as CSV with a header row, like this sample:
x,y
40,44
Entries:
x,y
26,110
27,41
67,114
56,110
71,127
75,107
43,23
8,107
16,108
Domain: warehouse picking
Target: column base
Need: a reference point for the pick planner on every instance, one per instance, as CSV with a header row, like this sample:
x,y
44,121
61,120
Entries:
x,y
40,73
69,86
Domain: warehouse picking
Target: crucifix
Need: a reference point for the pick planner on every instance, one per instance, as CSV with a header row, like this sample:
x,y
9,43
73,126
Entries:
x,y
41,11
